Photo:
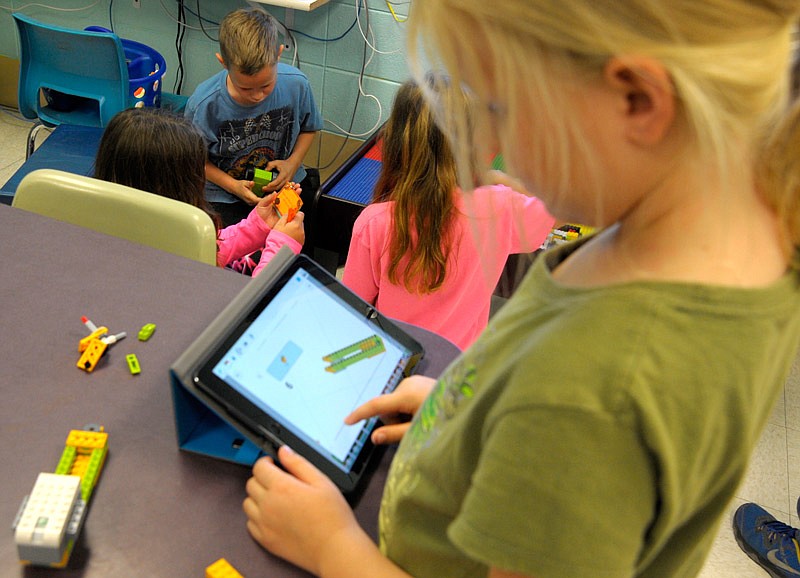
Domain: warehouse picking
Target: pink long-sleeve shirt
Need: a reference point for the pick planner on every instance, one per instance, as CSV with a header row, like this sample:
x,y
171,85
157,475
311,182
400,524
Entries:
x,y
493,222
252,234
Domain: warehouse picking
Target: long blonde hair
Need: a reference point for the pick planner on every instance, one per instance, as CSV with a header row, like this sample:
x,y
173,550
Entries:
x,y
419,174
728,60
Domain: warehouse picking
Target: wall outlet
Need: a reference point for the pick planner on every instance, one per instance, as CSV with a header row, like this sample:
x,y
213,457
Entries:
x,y
137,3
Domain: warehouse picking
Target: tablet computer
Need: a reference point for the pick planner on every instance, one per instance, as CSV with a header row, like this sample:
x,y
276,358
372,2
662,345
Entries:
x,y
300,359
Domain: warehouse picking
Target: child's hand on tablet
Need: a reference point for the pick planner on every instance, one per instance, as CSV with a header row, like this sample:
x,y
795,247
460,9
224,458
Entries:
x,y
394,409
300,516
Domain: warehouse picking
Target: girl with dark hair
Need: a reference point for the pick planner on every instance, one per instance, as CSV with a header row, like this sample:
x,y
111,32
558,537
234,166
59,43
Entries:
x,y
158,152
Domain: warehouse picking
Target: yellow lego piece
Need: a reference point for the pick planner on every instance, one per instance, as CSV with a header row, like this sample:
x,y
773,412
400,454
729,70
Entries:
x,y
222,569
96,334
92,355
87,440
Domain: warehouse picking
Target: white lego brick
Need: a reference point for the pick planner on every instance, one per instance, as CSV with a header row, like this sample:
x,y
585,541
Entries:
x,y
48,510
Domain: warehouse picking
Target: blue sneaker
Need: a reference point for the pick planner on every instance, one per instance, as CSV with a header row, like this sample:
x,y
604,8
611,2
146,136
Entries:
x,y
770,543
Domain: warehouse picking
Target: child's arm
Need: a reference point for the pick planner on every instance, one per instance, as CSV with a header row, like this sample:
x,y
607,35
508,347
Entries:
x,y
240,189
249,234
292,234
288,167
301,516
530,221
395,409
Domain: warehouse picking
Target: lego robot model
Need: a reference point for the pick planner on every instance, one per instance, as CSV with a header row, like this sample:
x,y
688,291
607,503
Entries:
x,y
50,518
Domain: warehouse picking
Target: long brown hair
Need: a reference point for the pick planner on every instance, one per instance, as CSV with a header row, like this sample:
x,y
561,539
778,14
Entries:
x,y
419,175
155,151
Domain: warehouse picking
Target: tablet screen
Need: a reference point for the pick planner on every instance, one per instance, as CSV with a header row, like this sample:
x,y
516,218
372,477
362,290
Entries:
x,y
307,356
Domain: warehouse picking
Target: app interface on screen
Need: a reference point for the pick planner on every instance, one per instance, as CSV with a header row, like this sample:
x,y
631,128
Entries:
x,y
310,361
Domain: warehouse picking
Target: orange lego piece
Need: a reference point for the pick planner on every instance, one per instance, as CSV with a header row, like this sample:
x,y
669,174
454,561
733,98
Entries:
x,y
222,569
288,203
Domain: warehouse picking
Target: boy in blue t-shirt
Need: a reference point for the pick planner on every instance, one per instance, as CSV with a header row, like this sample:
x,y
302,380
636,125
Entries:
x,y
256,113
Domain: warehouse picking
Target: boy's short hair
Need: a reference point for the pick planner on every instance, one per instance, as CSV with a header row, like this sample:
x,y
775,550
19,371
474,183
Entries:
x,y
248,40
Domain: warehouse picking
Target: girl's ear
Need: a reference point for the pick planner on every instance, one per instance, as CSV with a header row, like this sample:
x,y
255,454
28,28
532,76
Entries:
x,y
219,58
646,94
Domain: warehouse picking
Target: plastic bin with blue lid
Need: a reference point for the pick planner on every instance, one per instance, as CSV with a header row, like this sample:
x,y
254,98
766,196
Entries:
x,y
146,67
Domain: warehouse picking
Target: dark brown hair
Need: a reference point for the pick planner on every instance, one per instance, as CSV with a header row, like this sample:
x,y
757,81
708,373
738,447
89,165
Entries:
x,y
155,151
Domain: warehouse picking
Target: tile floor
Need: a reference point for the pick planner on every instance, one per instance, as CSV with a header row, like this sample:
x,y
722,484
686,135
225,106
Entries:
x,y
774,478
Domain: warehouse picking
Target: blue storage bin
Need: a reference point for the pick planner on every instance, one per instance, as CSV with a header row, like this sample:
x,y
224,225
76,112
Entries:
x,y
146,67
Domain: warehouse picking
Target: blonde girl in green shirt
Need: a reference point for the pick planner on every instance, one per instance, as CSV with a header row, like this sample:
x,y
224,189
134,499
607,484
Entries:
x,y
604,419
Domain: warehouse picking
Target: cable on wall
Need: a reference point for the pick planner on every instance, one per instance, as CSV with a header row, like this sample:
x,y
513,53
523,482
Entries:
x,y
202,26
342,35
365,63
372,34
394,14
181,31
348,133
56,8
174,19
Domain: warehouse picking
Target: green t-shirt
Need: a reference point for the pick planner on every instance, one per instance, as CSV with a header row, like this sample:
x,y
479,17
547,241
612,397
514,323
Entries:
x,y
591,432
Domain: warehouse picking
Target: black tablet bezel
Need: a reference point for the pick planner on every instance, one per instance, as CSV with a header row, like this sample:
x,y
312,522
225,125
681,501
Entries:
x,y
267,427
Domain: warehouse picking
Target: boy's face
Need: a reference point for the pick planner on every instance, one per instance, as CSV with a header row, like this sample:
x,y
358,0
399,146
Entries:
x,y
249,90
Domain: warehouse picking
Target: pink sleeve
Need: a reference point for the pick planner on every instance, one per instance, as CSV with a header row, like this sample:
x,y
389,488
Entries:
x,y
275,240
528,222
537,224
241,239
360,272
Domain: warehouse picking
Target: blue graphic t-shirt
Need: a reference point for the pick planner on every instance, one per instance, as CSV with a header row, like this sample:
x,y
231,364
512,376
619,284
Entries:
x,y
243,138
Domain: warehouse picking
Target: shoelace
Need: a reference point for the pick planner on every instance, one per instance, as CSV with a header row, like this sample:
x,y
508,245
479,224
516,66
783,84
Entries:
x,y
776,529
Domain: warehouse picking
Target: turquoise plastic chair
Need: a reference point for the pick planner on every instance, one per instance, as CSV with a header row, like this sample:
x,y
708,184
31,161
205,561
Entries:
x,y
87,71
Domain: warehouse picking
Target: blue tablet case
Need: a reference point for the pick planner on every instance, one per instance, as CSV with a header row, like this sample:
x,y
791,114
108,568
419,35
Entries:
x,y
204,426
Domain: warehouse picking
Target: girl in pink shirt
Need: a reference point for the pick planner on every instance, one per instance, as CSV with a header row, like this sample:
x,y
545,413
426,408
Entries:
x,y
161,153
424,252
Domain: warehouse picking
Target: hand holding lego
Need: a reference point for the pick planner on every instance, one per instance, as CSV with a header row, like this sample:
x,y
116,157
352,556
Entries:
x,y
294,228
395,409
261,178
289,200
282,171
243,190
299,514
266,210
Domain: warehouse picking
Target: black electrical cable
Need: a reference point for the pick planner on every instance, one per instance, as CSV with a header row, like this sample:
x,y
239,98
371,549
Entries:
x,y
181,18
358,95
208,20
202,27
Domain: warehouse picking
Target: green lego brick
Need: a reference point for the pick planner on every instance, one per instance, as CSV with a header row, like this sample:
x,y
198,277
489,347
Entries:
x,y
261,178
92,473
67,459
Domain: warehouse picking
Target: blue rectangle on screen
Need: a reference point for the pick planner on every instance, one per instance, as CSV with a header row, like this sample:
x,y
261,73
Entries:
x,y
284,361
